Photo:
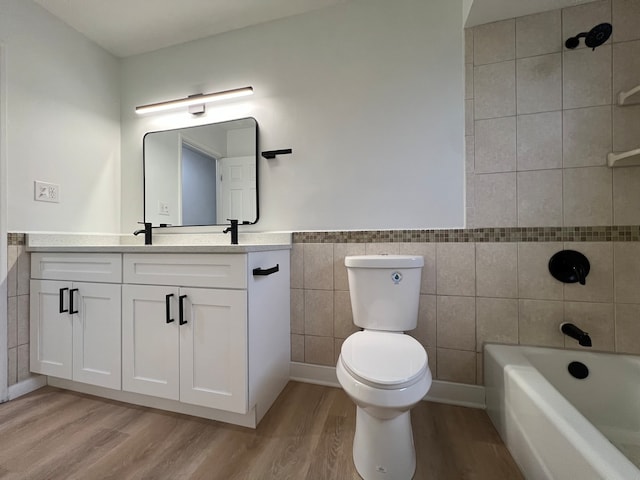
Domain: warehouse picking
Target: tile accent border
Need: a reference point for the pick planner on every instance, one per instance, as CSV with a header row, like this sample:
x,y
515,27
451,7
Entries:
x,y
14,239
614,233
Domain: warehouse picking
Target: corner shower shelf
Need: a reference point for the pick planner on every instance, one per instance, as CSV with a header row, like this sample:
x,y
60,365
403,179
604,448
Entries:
x,y
624,159
622,96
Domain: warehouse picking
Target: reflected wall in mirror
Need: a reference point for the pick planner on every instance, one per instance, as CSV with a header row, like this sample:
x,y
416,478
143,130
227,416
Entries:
x,y
202,175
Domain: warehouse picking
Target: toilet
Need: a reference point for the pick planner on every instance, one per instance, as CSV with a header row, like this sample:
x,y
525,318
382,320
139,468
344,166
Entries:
x,y
384,371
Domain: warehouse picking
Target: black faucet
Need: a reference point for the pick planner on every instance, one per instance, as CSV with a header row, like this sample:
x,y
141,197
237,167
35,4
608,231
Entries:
x,y
233,229
147,232
572,331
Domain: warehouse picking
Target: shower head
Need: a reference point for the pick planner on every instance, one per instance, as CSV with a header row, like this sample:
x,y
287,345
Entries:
x,y
593,38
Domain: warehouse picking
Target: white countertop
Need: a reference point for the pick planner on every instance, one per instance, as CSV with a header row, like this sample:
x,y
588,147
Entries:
x,y
166,243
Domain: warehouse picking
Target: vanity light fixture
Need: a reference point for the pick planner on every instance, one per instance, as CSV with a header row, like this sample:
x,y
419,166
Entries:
x,y
196,103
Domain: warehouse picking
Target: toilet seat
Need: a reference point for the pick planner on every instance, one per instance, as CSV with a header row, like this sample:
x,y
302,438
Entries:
x,y
384,360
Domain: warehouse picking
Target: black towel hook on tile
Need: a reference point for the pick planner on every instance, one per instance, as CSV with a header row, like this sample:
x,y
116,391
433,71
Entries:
x,y
269,154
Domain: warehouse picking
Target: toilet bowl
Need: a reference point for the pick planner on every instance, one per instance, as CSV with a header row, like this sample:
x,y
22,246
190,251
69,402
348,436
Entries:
x,y
384,371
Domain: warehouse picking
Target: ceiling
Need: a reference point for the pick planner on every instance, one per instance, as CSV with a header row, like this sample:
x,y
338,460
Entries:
x,y
130,27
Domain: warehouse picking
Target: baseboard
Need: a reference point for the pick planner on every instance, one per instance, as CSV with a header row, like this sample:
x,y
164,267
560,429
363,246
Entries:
x,y
27,386
441,392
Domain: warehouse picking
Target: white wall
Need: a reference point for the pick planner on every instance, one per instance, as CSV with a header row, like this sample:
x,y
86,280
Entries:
x,y
62,123
368,94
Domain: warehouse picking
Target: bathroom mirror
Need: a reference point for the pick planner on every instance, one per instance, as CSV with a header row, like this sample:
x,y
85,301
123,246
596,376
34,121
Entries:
x,y
202,175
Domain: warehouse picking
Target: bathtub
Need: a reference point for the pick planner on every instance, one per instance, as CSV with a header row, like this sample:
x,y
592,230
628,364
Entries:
x,y
560,427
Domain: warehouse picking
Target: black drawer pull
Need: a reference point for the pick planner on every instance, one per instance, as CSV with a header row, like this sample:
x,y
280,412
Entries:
x,y
181,309
167,300
266,271
71,310
62,309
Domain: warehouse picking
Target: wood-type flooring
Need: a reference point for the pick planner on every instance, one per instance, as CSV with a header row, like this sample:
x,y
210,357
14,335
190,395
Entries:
x,y
53,434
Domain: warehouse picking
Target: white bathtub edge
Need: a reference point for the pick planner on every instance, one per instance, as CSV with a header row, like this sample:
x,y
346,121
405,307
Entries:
x,y
460,394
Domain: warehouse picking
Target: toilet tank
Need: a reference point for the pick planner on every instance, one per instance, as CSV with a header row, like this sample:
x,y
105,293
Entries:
x,y
385,290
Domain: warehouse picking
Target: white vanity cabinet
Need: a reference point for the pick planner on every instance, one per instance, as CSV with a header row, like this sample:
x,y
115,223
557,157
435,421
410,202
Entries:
x,y
75,317
204,330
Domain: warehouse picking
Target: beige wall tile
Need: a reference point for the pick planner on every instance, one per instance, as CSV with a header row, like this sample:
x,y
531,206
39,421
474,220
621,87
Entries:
x,y
583,18
24,271
297,265
539,83
468,45
539,141
495,145
469,154
495,200
626,18
597,319
297,348
433,360
599,282
319,350
456,366
12,322
23,362
382,248
23,319
626,67
494,90
626,196
479,369
318,266
426,332
340,251
297,311
343,317
12,271
530,42
587,196
586,136
626,265
318,312
470,201
456,269
468,81
540,198
497,270
468,116
428,252
534,279
456,322
494,42
539,323
497,321
626,127
627,328
586,78
12,366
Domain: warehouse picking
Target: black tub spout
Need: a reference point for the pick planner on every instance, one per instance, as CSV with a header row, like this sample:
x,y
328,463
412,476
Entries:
x,y
572,331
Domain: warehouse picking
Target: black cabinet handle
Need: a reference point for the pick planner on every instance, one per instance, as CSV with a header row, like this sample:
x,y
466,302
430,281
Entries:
x,y
181,309
266,271
167,300
62,309
71,310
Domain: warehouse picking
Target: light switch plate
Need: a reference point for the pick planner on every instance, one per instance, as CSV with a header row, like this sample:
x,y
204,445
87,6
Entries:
x,y
46,192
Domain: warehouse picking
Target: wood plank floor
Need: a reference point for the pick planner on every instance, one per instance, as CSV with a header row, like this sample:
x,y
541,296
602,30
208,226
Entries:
x,y
308,434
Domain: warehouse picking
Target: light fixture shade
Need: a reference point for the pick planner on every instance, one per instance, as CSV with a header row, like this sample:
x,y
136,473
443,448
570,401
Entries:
x,y
198,99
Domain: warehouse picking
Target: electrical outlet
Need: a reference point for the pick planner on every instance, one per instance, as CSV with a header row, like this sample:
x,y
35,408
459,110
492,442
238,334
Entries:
x,y
46,192
163,208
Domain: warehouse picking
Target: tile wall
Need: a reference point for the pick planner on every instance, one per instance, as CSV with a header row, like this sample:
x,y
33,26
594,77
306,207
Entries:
x,y
540,122
18,273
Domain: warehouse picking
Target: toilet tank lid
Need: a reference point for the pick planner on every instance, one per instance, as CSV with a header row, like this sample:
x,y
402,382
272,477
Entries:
x,y
384,261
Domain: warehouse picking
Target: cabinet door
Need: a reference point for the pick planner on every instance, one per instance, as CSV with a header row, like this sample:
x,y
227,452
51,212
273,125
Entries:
x,y
213,349
150,345
51,330
96,334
